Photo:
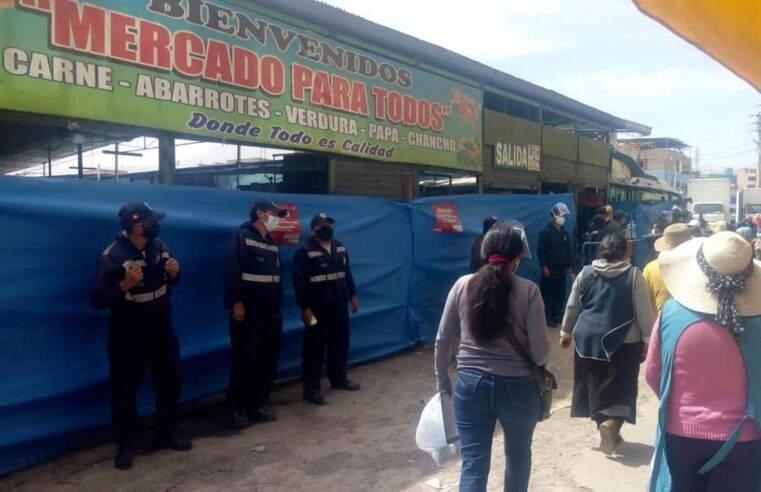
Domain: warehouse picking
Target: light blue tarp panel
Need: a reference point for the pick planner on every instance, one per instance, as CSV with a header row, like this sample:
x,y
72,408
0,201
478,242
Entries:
x,y
440,259
53,365
645,214
53,382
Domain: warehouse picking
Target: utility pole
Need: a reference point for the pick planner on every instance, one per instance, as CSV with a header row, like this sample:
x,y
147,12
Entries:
x,y
697,161
757,141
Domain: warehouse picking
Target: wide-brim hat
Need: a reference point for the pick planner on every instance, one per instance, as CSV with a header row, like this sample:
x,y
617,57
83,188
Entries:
x,y
725,252
673,236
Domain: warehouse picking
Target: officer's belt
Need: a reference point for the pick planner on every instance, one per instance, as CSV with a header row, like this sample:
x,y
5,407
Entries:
x,y
148,296
261,279
326,278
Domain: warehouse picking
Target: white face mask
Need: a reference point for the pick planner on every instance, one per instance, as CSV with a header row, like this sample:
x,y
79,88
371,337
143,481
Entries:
x,y
560,220
272,222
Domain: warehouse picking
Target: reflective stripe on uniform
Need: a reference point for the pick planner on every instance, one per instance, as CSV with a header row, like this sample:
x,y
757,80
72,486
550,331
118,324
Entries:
x,y
261,279
314,254
341,249
260,245
134,263
326,278
148,296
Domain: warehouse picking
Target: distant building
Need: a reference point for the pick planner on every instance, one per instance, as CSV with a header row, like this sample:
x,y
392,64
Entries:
x,y
664,158
747,178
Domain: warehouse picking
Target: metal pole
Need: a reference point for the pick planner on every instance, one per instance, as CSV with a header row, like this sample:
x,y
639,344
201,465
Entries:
x,y
167,161
50,162
80,164
237,171
116,161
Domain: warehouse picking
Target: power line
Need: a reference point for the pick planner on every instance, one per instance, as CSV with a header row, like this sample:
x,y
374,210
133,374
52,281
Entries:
x,y
720,157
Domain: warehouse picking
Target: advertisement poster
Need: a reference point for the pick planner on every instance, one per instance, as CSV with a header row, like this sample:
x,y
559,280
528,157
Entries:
x,y
447,219
288,232
223,70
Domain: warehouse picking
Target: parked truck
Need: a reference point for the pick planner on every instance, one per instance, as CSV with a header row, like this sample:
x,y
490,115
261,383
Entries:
x,y
711,200
748,203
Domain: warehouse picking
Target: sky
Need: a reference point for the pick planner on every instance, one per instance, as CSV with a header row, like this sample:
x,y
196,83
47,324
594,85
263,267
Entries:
x,y
603,53
606,54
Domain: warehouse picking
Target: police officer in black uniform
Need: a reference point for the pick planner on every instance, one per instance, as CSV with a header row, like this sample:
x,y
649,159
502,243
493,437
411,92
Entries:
x,y
554,251
324,288
134,278
253,294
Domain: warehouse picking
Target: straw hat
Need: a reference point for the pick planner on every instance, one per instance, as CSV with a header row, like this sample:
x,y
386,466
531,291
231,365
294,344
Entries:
x,y
673,236
725,252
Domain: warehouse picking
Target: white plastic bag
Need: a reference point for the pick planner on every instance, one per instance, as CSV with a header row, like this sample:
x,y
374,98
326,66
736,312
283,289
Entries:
x,y
431,435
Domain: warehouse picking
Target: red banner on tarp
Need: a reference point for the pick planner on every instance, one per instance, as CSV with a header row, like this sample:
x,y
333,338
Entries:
x,y
289,229
447,219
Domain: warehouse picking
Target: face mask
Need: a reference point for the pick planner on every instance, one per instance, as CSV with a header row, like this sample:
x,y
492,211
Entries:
x,y
272,222
151,232
324,233
560,220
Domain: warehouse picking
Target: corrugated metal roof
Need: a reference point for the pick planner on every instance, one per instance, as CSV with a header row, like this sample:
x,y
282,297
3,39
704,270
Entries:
x,y
344,22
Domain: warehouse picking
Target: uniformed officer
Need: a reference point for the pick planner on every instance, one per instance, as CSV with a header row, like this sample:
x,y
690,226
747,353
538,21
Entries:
x,y
253,294
324,288
134,278
554,251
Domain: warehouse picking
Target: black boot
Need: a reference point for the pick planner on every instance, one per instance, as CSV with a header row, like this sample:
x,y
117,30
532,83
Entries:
x,y
123,458
259,416
314,398
346,386
239,420
172,441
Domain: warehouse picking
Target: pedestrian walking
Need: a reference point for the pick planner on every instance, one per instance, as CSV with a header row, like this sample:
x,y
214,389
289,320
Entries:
x,y
609,318
673,236
134,279
254,295
493,381
704,362
324,287
476,261
554,251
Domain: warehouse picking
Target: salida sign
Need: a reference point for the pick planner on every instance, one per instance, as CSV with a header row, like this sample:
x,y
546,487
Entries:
x,y
214,69
516,156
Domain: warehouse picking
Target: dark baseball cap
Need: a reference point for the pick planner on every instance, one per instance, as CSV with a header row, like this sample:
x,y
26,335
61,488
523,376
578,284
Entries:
x,y
136,212
267,206
322,218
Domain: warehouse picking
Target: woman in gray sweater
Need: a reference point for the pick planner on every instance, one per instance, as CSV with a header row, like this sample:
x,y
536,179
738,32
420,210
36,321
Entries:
x,y
493,381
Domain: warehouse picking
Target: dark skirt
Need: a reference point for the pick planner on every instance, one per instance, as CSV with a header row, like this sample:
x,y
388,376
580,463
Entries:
x,y
603,390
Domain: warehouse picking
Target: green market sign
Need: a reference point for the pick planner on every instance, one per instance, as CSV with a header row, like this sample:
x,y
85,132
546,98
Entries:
x,y
218,70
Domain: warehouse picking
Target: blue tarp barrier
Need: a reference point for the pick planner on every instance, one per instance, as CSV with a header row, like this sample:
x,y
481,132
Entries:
x,y
52,358
53,376
645,214
440,259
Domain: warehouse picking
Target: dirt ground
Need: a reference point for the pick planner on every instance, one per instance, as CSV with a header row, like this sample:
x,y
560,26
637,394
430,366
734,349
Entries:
x,y
361,441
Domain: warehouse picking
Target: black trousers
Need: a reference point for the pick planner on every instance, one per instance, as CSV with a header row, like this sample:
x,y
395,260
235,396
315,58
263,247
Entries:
x,y
331,334
255,345
553,293
133,348
739,472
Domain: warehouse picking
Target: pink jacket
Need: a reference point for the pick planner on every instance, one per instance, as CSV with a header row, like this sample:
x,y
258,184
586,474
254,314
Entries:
x,y
708,384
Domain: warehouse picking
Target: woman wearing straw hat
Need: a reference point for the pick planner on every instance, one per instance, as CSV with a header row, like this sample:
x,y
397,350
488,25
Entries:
x,y
704,362
673,236
609,316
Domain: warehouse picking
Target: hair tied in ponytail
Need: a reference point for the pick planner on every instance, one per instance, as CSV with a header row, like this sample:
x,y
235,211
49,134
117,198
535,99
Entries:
x,y
497,260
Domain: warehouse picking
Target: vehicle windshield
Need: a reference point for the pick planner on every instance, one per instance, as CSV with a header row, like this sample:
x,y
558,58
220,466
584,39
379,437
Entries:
x,y
708,208
753,208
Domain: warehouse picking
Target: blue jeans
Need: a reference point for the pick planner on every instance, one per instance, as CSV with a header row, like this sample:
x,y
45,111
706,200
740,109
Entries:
x,y
479,400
